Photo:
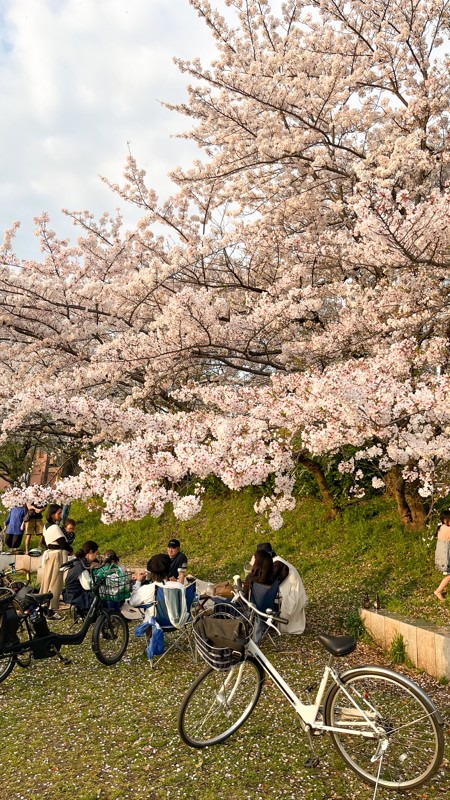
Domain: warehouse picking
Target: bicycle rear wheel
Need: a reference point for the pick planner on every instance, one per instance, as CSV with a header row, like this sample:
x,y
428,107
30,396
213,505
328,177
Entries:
x,y
409,739
218,703
110,637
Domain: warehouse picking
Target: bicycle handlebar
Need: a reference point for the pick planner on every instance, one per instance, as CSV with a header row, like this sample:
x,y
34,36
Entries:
x,y
9,570
267,617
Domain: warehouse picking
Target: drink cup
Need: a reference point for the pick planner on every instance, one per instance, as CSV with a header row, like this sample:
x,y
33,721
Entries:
x,y
247,568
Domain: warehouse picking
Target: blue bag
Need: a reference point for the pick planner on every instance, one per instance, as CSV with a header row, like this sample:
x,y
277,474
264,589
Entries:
x,y
156,643
141,628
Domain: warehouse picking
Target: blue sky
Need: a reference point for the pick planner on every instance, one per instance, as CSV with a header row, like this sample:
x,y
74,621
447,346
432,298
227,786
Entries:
x,y
78,80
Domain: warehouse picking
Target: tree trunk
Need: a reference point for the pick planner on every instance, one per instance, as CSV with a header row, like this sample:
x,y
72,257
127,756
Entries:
x,y
419,508
412,510
316,470
70,465
395,485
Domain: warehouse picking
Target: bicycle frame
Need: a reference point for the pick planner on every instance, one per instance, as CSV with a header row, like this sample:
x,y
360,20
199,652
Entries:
x,y
8,575
308,712
54,638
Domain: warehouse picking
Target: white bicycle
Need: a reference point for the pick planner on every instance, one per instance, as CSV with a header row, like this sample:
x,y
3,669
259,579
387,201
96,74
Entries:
x,y
383,725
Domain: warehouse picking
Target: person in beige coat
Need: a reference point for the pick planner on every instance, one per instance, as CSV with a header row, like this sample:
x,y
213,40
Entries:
x,y
58,548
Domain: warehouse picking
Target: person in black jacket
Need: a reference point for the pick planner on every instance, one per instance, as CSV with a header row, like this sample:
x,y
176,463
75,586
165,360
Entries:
x,y
178,561
78,582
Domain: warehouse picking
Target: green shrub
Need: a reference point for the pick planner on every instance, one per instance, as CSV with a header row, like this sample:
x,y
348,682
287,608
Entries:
x,y
354,625
397,650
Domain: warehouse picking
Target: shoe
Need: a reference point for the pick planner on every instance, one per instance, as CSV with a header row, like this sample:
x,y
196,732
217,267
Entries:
x,y
57,617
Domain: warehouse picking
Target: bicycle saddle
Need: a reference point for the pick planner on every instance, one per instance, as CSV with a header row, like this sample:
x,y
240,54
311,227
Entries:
x,y
39,599
337,645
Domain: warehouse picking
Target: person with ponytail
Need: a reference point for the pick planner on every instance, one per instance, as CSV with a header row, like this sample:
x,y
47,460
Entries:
x,y
78,582
58,548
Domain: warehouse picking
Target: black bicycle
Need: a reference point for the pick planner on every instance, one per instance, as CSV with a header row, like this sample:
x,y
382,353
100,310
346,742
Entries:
x,y
26,633
17,581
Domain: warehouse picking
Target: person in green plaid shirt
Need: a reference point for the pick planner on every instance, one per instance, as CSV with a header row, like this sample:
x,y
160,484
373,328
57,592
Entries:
x,y
116,591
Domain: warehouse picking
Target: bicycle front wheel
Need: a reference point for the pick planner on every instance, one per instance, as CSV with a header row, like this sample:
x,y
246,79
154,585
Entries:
x,y
406,730
23,659
6,665
110,638
218,703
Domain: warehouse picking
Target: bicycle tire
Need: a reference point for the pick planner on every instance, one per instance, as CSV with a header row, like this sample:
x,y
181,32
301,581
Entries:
x,y
110,637
6,665
408,724
23,659
218,703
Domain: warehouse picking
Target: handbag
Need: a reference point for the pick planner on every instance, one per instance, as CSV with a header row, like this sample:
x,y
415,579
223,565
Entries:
x,y
223,589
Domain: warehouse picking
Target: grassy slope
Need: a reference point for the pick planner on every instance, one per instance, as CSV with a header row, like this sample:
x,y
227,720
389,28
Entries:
x,y
365,549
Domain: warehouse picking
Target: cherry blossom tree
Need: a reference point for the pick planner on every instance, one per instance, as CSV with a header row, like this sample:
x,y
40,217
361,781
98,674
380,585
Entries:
x,y
288,302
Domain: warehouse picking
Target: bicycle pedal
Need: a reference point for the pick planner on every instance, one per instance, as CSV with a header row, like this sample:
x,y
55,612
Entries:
x,y
311,762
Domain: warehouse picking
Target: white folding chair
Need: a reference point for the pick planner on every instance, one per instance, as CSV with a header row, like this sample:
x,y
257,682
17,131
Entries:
x,y
172,611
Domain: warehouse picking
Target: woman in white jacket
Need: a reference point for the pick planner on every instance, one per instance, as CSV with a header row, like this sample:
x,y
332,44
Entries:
x,y
292,593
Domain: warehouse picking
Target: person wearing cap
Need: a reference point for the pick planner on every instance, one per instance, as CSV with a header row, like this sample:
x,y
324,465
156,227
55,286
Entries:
x,y
178,561
292,592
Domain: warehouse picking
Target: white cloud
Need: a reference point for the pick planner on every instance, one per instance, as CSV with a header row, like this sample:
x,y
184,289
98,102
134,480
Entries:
x,y
79,79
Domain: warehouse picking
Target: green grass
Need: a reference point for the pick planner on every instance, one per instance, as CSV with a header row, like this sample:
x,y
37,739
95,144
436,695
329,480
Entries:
x,y
365,549
96,733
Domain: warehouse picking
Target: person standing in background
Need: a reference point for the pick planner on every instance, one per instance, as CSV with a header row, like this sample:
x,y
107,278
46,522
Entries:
x,y
58,548
34,525
15,526
442,554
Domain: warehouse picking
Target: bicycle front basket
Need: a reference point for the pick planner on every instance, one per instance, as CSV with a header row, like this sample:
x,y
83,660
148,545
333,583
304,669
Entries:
x,y
222,635
115,588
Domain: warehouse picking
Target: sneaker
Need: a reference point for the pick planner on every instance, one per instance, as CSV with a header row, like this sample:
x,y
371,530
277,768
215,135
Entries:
x,y
57,617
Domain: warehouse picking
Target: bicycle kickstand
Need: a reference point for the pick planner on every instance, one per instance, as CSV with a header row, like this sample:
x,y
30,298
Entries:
x,y
313,759
379,755
63,659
